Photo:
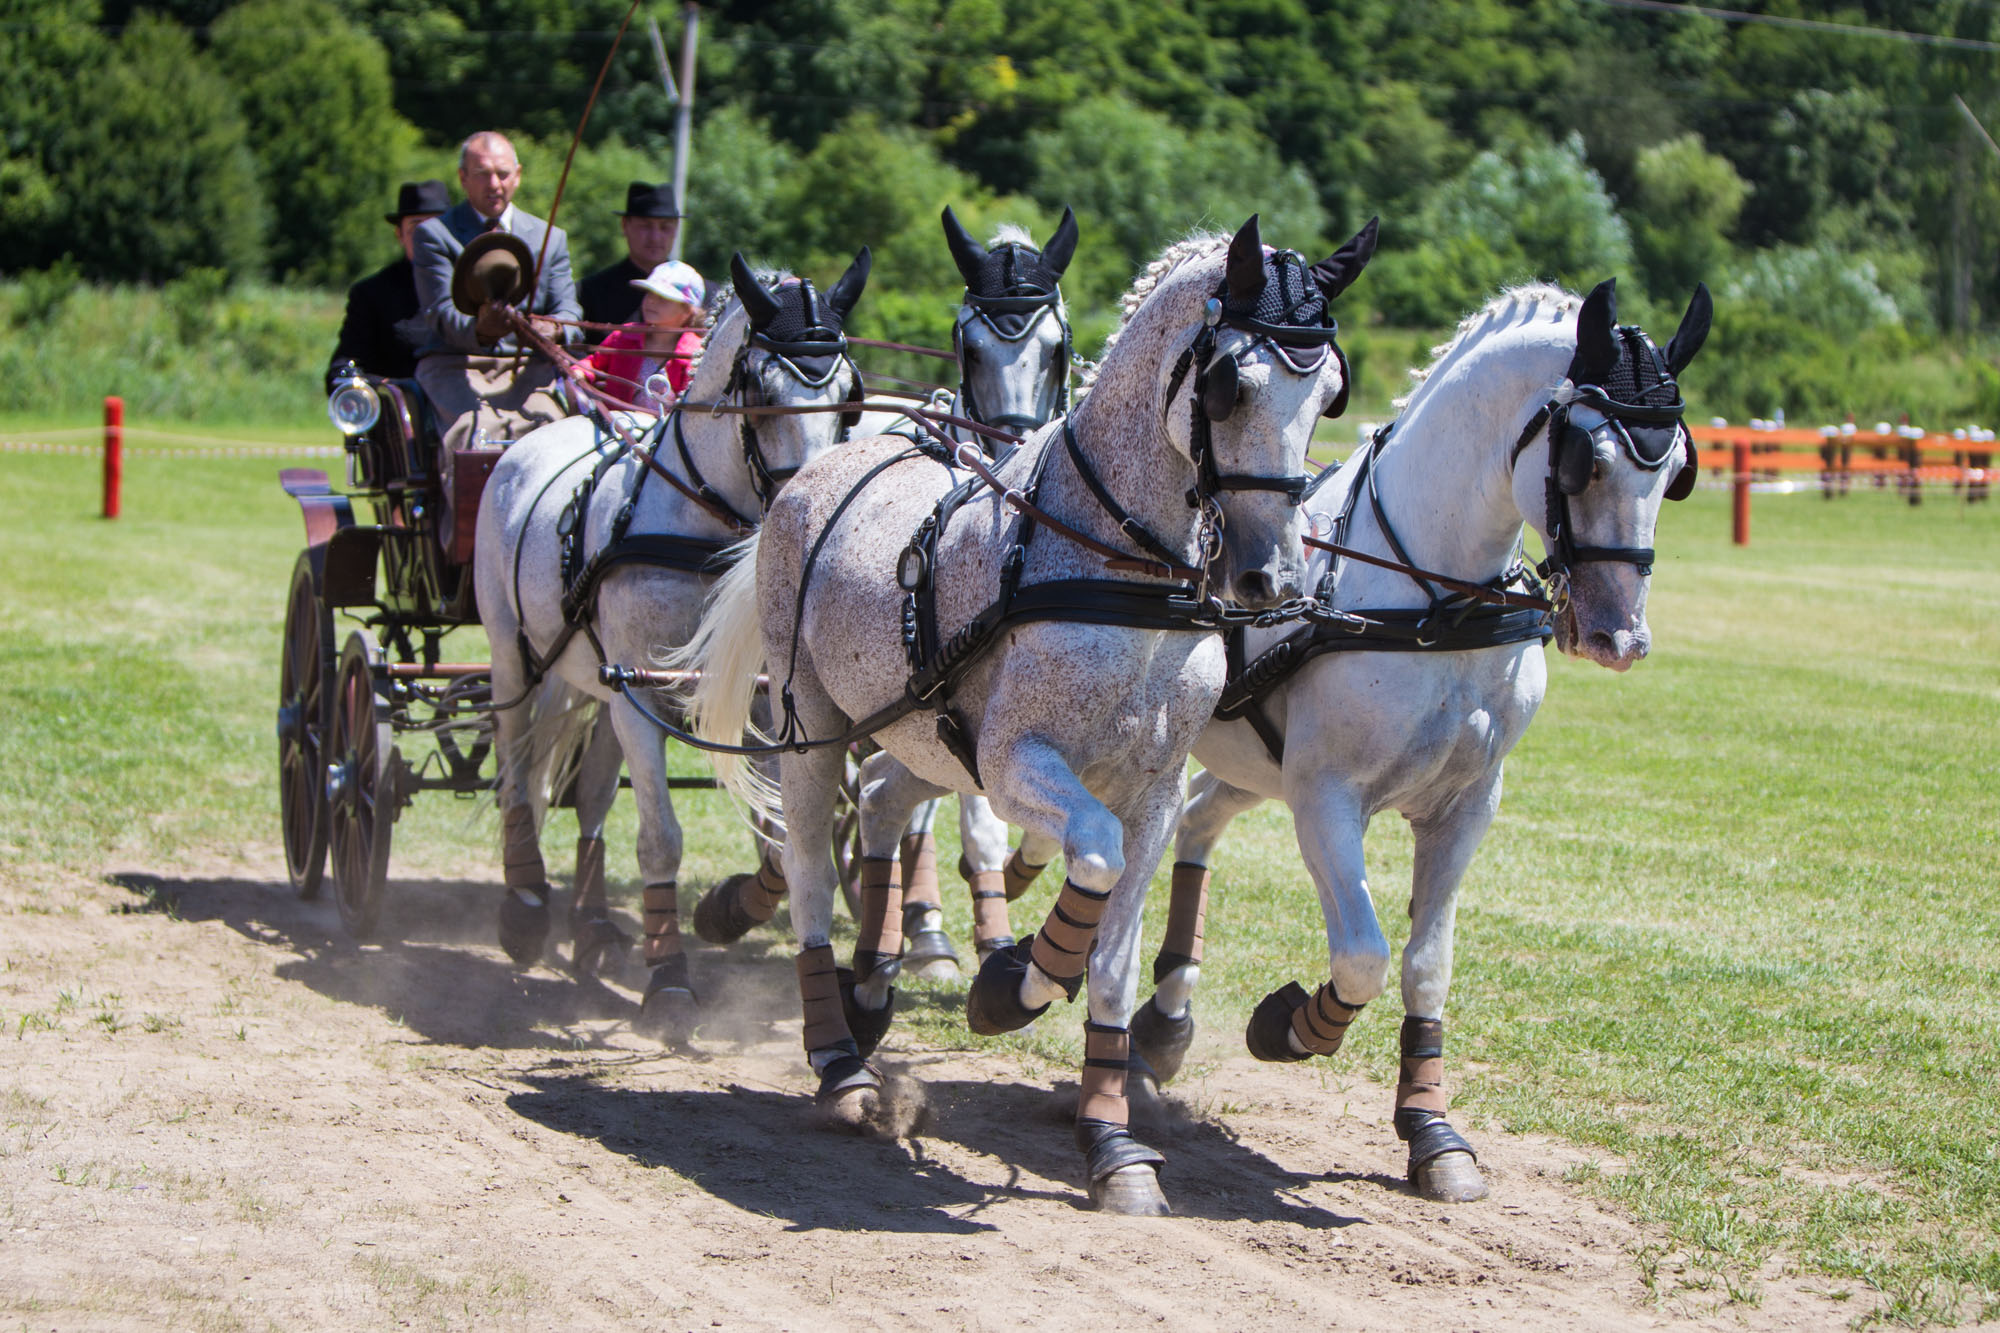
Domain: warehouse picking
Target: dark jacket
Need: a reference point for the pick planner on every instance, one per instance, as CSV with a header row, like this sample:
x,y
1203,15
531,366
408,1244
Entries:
x,y
609,297
381,330
438,243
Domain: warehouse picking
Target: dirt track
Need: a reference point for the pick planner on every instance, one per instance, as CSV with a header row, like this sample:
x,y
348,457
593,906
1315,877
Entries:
x,y
219,1114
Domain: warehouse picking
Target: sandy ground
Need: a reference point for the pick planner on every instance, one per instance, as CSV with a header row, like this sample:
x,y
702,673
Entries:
x,y
219,1113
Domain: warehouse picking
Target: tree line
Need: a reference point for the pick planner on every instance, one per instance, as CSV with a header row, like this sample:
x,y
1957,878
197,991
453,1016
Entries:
x,y
1828,184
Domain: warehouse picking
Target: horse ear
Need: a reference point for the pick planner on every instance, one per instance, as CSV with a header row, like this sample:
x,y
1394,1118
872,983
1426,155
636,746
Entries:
x,y
1693,331
1337,271
965,252
1246,265
843,294
1062,246
1596,339
758,303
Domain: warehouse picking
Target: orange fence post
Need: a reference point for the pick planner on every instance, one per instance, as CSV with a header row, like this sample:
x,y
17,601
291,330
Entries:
x,y
114,455
1741,508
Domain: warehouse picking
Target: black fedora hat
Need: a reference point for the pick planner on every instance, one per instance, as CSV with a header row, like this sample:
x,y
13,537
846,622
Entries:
x,y
417,198
650,201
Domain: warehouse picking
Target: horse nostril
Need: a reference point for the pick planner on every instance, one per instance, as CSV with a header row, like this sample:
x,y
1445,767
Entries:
x,y
1256,588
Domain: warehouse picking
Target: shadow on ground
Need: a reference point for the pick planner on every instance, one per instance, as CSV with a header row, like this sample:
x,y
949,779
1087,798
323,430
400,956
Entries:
x,y
434,968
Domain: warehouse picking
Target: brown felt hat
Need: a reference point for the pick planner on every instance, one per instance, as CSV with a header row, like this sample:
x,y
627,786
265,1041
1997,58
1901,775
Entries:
x,y
495,266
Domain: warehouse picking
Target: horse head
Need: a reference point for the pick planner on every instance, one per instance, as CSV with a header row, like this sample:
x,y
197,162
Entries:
x,y
1616,450
1012,332
1252,378
790,350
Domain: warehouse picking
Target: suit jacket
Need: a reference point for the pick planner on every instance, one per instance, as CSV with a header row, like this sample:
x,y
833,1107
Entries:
x,y
381,329
608,295
439,242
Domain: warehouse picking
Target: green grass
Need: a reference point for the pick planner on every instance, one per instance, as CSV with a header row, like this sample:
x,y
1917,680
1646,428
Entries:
x,y
1734,930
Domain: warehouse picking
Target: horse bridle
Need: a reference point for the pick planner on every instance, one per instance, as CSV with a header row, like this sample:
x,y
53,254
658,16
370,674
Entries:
x,y
1217,384
983,308
795,358
1572,462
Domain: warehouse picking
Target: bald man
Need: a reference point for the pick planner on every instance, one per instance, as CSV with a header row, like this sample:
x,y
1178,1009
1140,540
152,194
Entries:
x,y
467,367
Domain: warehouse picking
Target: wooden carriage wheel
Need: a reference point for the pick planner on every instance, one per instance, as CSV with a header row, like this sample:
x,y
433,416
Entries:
x,y
305,688
361,795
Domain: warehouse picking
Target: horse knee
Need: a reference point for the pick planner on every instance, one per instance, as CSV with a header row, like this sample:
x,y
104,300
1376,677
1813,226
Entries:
x,y
660,850
1094,851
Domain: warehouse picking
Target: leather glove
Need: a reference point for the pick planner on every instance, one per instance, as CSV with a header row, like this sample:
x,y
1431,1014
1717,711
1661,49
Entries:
x,y
492,324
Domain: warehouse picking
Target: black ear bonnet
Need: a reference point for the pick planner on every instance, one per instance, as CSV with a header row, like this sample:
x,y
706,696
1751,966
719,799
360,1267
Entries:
x,y
1010,286
1621,372
802,327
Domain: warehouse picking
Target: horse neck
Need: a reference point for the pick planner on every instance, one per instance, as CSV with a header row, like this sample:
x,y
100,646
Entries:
x,y
715,443
1120,436
1446,478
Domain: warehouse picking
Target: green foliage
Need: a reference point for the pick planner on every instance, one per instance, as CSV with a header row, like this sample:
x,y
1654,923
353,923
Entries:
x,y
1137,183
1685,204
315,93
1539,212
156,165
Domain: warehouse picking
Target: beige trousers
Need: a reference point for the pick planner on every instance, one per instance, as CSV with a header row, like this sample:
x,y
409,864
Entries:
x,y
493,398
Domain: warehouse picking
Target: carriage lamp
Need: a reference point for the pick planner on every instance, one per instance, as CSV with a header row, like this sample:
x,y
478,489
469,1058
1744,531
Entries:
x,y
354,407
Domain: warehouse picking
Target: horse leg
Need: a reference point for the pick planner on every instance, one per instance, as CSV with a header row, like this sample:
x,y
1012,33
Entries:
x,y
740,903
524,902
1124,1173
1288,1024
1045,798
1027,862
983,837
1163,1027
929,953
593,936
667,1011
850,1089
889,795
1443,1165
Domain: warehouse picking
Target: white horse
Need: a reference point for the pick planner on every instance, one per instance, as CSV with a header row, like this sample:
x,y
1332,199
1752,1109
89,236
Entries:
x,y
1012,337
592,549
1541,412
1068,698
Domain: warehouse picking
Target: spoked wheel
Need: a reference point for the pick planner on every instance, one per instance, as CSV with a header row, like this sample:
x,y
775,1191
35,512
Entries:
x,y
847,836
360,789
305,685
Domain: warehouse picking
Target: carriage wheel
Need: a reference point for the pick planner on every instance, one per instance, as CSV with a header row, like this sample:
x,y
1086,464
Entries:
x,y
847,837
305,684
361,789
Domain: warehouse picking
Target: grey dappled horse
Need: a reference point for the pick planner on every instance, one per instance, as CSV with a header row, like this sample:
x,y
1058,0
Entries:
x,y
1068,697
631,581
1541,412
1012,338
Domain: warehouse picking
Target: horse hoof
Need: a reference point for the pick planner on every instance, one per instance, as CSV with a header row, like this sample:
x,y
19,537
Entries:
x,y
1450,1177
524,927
1132,1191
867,1026
596,943
850,1095
1161,1043
719,917
993,1004
930,957
669,1011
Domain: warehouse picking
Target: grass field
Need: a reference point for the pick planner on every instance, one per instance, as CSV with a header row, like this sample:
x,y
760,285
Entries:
x,y
1734,930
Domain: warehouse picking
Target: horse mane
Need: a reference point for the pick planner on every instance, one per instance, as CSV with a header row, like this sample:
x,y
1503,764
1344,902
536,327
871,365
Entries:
x,y
770,277
1012,233
1536,296
1197,245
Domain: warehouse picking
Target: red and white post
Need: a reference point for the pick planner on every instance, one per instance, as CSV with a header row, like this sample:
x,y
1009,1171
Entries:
x,y
114,455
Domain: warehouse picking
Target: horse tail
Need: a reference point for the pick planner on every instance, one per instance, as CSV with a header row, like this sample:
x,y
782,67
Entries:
x,y
727,651
559,725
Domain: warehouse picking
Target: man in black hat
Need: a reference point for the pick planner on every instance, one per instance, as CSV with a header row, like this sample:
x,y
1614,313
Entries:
x,y
383,326
651,221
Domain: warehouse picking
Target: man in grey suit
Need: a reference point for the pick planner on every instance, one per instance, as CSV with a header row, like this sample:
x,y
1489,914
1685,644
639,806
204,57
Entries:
x,y
469,368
